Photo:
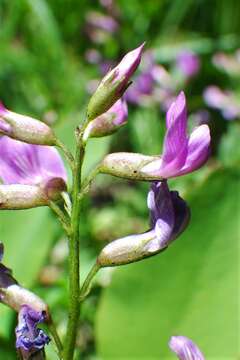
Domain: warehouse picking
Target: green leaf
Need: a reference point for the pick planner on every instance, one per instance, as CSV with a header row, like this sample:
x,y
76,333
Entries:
x,y
190,289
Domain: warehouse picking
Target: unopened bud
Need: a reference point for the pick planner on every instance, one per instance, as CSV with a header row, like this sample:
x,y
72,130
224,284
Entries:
x,y
109,122
130,166
17,196
25,128
114,84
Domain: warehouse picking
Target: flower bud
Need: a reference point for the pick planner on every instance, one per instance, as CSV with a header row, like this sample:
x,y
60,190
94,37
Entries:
x,y
17,196
109,122
114,84
25,128
130,166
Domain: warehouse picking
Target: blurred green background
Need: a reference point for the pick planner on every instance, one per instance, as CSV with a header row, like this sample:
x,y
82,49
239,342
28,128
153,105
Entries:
x,y
191,289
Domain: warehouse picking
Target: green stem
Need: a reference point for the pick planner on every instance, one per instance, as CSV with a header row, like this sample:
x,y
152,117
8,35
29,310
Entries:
x,y
56,338
74,276
85,289
61,216
88,181
67,153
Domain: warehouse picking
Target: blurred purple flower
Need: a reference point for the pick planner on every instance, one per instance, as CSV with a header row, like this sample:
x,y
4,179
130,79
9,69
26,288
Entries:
x,y
142,87
230,63
188,63
101,21
185,349
22,163
30,339
224,101
109,122
169,217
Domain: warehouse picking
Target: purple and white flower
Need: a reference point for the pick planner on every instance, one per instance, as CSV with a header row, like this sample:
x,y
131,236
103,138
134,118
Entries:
x,y
185,349
169,217
182,154
30,339
31,175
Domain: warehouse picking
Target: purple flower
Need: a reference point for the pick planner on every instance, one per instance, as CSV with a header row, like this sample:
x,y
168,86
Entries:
x,y
188,63
224,101
31,174
169,218
22,163
114,84
30,339
109,122
181,155
185,349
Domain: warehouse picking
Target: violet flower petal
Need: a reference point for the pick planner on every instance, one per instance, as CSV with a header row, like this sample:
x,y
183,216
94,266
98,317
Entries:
x,y
28,164
176,141
185,349
198,149
29,338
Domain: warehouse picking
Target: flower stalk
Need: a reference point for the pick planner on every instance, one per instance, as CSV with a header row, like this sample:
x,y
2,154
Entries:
x,y
85,289
74,248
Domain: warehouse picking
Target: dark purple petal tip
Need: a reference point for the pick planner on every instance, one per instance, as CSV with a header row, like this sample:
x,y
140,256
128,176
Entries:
x,y
185,349
29,338
6,278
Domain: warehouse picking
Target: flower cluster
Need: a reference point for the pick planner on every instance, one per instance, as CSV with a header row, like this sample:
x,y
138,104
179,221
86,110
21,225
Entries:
x,y
32,174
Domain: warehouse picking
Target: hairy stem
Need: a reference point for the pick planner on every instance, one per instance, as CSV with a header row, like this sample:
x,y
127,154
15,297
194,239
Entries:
x,y
61,216
68,155
87,283
74,275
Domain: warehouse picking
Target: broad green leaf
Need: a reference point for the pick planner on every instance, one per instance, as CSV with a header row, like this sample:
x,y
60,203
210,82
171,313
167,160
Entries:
x,y
190,289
